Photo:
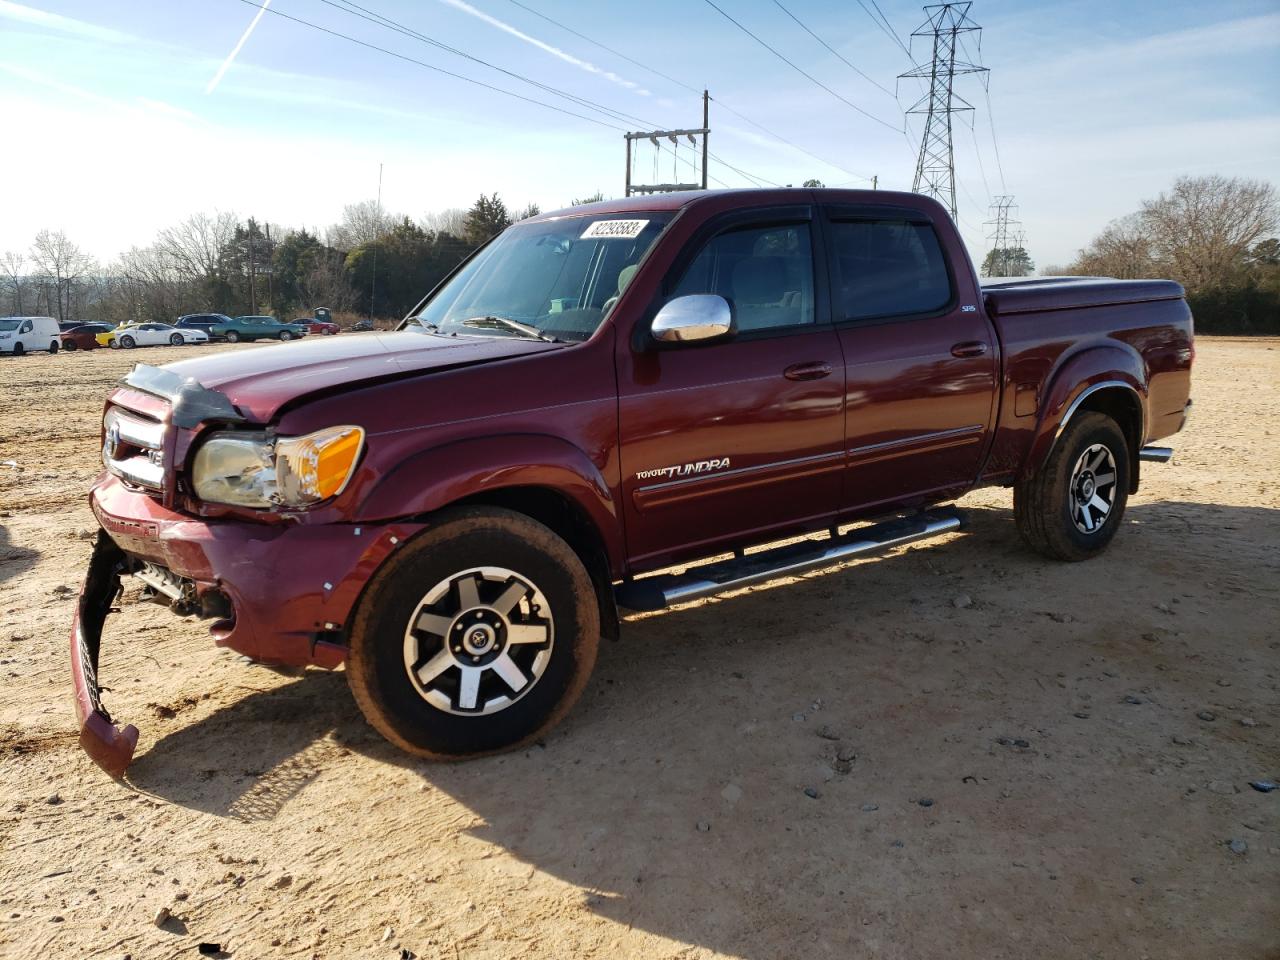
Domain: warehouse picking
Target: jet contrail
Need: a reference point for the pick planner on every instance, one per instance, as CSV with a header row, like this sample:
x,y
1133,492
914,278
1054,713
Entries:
x,y
217,77
586,65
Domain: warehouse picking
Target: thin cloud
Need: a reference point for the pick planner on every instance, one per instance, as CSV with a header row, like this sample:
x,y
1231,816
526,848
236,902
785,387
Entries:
x,y
52,21
569,58
217,77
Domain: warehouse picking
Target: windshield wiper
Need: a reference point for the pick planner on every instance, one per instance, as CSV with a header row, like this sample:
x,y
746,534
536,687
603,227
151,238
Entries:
x,y
506,323
425,324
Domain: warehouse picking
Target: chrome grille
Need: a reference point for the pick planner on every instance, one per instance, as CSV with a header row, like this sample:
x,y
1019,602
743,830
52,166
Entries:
x,y
133,448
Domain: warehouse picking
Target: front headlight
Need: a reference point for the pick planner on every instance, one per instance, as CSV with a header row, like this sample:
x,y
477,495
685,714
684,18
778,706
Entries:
x,y
251,470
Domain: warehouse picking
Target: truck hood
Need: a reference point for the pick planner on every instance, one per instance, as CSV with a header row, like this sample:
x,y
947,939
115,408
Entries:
x,y
262,380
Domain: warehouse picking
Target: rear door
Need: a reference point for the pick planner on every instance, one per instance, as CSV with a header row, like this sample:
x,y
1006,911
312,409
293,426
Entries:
x,y
735,439
920,358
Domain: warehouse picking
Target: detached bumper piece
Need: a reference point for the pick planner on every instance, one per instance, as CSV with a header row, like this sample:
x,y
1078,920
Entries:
x,y
111,747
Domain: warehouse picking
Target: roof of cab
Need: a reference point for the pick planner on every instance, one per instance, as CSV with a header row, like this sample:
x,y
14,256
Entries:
x,y
740,197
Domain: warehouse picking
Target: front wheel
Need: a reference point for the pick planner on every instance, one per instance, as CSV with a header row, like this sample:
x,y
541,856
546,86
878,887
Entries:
x,y
19,349
69,345
128,343
285,335
1072,507
233,337
478,637
176,339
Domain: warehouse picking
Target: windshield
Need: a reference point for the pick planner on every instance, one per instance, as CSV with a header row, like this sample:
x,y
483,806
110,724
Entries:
x,y
9,323
554,279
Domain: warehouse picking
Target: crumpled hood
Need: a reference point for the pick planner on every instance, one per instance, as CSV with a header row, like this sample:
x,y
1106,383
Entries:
x,y
262,380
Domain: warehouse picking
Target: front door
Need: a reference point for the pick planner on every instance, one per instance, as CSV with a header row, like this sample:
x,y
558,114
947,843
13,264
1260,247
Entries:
x,y
738,439
920,359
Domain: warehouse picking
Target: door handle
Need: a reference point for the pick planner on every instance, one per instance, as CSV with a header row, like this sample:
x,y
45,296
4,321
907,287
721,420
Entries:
x,y
970,348
814,370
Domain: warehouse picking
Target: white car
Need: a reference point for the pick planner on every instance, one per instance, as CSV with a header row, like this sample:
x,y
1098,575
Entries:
x,y
156,335
19,335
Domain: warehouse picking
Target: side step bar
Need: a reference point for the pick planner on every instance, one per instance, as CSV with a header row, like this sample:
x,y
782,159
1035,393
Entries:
x,y
656,593
1156,454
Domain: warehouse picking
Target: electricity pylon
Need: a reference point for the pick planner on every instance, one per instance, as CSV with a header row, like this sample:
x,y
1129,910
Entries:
x,y
936,166
1005,236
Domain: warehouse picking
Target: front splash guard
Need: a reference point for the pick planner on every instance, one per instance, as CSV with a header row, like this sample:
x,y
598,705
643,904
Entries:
x,y
108,745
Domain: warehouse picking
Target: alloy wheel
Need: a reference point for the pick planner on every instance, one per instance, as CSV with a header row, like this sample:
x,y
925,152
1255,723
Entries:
x,y
1093,488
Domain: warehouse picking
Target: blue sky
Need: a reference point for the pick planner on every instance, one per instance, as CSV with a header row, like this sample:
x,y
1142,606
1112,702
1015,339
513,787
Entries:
x,y
115,126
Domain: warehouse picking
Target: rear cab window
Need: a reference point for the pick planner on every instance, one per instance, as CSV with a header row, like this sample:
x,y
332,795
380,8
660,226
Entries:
x,y
887,266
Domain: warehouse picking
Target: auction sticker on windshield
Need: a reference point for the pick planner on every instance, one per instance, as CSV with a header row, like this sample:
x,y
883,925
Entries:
x,y
614,230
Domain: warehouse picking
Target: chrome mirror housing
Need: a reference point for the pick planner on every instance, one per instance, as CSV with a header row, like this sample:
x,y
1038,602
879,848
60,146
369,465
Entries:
x,y
698,316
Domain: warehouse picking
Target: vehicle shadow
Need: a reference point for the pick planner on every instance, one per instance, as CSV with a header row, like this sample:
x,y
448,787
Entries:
x,y
674,798
14,560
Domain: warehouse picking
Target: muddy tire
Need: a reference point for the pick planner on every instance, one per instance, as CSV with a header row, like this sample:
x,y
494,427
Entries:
x,y
478,637
1073,506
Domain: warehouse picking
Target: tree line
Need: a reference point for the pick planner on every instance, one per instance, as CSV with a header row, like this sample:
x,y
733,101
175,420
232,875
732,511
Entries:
x,y
372,263
1215,235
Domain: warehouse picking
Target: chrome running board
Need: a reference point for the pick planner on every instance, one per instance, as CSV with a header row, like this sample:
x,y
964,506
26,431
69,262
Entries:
x,y
663,590
1156,454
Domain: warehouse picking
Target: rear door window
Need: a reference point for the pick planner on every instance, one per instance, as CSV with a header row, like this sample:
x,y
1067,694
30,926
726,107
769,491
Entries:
x,y
887,268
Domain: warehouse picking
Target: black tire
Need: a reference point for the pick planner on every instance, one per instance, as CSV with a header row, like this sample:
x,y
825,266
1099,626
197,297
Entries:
x,y
233,337
176,339
1047,506
69,345
285,335
53,346
127,342
460,541
19,349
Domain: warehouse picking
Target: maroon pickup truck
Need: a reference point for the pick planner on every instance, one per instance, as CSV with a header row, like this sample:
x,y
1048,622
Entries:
x,y
457,510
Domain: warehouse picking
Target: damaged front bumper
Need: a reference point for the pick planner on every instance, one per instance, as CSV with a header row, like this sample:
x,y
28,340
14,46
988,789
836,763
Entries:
x,y
281,594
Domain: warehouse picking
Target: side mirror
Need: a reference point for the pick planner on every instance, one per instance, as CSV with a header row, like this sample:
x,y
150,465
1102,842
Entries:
x,y
698,316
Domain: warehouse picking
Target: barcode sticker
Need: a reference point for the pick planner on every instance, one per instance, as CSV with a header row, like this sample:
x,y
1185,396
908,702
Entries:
x,y
614,230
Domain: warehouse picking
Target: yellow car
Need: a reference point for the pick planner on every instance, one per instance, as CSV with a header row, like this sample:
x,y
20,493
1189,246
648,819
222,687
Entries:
x,y
104,339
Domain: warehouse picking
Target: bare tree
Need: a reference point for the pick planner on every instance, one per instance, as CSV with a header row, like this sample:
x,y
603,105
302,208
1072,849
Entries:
x,y
452,221
61,264
1203,228
362,222
12,265
1123,250
195,245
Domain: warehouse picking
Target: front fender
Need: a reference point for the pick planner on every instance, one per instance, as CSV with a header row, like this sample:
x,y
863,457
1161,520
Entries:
x,y
435,478
1076,378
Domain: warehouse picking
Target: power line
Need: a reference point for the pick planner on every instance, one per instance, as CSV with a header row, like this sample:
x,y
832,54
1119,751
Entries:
x,y
799,70
831,48
679,83
885,27
429,66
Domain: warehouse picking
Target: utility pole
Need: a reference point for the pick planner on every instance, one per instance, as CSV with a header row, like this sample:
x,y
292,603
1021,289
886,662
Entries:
x,y
936,167
1005,236
271,269
656,137
253,275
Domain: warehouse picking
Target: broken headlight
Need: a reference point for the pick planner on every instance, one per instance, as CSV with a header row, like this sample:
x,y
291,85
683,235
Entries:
x,y
254,470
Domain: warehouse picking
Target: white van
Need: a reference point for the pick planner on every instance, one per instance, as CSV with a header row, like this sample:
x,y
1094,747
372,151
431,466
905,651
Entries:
x,y
20,335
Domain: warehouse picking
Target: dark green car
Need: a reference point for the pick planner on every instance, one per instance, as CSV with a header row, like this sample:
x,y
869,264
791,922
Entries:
x,y
257,328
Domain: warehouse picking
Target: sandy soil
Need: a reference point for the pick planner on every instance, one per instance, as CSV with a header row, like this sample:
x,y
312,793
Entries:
x,y
1054,771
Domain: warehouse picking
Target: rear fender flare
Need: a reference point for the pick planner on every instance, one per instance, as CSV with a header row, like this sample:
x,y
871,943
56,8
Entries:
x,y
1082,376
434,478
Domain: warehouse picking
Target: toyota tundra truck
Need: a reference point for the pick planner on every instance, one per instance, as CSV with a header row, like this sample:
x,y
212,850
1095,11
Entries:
x,y
583,413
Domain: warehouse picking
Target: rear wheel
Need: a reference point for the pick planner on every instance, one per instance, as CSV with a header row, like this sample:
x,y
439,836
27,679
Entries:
x,y
1073,506
53,346
128,342
478,637
176,339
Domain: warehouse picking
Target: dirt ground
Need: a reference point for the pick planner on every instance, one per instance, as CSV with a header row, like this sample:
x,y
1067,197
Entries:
x,y
1056,769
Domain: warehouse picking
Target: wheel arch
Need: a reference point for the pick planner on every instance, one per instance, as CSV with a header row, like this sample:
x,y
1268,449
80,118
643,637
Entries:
x,y
1105,380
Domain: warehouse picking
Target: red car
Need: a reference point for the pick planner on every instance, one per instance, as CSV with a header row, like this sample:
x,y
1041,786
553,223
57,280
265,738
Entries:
x,y
457,510
322,327
84,336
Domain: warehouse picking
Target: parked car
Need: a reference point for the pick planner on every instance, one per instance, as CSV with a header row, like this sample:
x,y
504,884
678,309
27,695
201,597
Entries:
x,y
19,335
458,509
104,339
257,328
202,321
324,328
155,335
84,336
362,326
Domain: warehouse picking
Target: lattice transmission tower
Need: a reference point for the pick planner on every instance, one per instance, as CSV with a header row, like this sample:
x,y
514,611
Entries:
x,y
1006,235
936,166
